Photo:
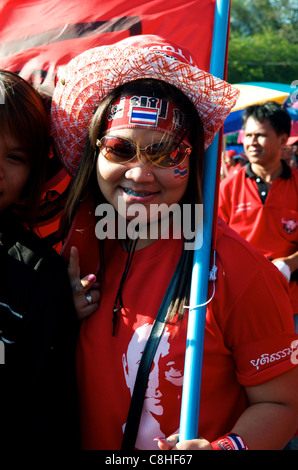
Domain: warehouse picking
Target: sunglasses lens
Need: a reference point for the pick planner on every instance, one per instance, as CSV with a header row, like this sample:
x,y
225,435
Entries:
x,y
117,149
166,156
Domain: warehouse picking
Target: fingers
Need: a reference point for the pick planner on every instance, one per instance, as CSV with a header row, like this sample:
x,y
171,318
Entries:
x,y
74,266
79,286
86,299
85,284
167,444
172,443
86,302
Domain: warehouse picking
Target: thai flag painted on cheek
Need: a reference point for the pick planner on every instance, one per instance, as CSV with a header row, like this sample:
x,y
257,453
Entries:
x,y
144,116
180,172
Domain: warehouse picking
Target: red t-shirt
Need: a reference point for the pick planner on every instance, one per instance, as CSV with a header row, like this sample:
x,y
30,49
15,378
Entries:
x,y
271,227
248,337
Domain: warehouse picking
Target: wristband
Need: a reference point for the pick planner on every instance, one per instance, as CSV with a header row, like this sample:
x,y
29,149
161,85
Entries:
x,y
283,268
229,442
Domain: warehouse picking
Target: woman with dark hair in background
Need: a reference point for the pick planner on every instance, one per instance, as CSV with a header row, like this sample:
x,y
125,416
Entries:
x,y
37,317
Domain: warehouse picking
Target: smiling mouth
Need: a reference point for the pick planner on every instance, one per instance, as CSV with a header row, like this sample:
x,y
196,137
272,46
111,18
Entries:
x,y
130,192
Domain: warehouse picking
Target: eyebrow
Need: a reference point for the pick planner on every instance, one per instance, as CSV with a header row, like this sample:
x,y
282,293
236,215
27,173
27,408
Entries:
x,y
16,148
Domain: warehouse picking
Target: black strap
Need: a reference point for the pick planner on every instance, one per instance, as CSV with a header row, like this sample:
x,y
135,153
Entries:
x,y
137,399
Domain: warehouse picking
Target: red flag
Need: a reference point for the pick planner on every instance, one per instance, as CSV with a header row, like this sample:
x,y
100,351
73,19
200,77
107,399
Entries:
x,y
37,37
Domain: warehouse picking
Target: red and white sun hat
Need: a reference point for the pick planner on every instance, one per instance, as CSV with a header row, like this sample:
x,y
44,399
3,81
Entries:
x,y
92,75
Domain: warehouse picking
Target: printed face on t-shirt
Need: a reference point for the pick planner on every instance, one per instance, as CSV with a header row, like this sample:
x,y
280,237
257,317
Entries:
x,y
163,369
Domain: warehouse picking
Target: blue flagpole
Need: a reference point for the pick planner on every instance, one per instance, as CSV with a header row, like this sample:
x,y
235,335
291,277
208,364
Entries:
x,y
189,418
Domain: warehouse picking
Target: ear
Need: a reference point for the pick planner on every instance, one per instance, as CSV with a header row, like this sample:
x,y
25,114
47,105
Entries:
x,y
283,139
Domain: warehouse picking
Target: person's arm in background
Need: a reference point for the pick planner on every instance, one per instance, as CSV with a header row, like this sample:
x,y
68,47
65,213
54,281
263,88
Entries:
x,y
287,265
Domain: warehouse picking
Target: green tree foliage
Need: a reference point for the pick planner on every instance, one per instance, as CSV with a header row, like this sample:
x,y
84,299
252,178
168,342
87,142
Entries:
x,y
263,44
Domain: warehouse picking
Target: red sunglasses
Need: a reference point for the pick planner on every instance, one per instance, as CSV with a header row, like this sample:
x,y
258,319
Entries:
x,y
161,154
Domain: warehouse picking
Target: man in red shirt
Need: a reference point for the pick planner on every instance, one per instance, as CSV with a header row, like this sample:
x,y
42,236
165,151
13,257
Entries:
x,y
260,202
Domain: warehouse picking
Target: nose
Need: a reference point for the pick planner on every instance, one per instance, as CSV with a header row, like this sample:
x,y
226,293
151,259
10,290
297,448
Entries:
x,y
253,139
140,173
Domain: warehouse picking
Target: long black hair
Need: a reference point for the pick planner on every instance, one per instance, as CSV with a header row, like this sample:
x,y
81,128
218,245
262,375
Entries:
x,y
85,181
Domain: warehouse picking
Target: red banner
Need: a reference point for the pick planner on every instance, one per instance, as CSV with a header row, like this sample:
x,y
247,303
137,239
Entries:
x,y
38,36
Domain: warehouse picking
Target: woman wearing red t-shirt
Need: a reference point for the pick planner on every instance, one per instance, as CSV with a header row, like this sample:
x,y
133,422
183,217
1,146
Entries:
x,y
131,122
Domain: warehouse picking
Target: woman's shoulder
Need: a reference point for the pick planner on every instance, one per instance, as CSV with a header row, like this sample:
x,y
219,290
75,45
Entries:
x,y
26,246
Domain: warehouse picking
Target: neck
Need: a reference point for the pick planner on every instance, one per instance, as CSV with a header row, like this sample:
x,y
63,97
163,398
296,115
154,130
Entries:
x,y
269,173
140,243
147,233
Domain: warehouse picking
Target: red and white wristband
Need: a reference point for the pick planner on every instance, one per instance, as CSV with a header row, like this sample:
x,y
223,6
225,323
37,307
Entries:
x,y
229,442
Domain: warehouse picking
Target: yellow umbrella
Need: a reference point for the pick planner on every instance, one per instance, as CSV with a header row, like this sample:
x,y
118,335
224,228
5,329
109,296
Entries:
x,y
252,94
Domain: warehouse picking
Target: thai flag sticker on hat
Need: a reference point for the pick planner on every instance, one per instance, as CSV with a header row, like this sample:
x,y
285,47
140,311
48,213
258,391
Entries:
x,y
144,116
